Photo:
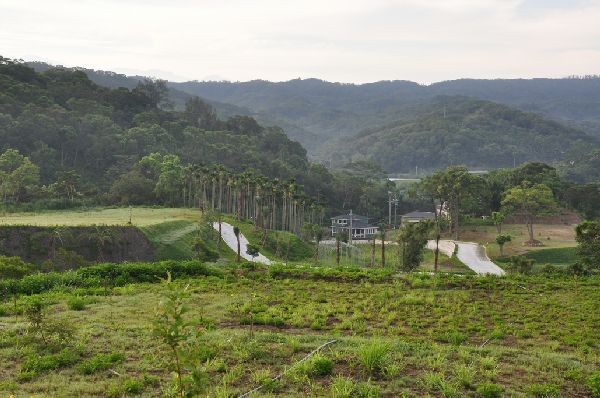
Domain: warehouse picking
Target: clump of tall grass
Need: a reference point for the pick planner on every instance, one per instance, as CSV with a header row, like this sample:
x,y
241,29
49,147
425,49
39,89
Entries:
x,y
374,357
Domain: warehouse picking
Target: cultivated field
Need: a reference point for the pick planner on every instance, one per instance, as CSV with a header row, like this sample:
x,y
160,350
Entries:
x,y
413,335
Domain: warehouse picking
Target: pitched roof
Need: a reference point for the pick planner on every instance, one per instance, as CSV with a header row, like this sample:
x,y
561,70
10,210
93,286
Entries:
x,y
356,224
347,216
420,214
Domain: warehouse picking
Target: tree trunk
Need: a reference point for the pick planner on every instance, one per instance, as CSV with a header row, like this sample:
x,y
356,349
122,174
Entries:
x,y
383,250
437,251
220,236
238,248
373,252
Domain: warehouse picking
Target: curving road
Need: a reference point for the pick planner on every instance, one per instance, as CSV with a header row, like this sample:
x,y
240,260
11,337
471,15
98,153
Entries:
x,y
231,241
473,256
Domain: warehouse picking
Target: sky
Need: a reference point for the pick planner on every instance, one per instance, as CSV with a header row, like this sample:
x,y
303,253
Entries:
x,y
352,41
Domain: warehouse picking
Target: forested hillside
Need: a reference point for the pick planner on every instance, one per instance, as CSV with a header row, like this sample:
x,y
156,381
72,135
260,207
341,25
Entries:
x,y
330,110
317,113
63,137
458,130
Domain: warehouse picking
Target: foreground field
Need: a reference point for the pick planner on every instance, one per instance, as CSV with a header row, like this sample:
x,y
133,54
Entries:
x,y
140,216
411,335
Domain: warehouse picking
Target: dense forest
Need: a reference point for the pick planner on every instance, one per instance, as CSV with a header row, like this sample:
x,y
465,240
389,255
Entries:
x,y
459,130
66,138
330,110
318,114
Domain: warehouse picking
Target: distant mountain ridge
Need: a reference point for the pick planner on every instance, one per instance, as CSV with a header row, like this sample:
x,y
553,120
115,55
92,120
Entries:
x,y
461,130
323,116
331,110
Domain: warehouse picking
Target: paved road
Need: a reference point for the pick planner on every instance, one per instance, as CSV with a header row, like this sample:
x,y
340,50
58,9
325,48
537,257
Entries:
x,y
473,256
445,246
231,241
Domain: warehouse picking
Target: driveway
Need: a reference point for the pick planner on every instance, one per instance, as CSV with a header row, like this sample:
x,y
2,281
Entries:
x,y
231,241
473,256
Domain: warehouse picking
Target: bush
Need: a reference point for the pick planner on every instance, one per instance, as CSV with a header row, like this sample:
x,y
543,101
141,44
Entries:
x,y
594,384
100,362
453,337
374,357
76,304
14,268
490,390
321,366
543,390
103,274
40,364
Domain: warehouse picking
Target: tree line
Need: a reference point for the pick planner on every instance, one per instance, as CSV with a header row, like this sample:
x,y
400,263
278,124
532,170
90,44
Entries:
x,y
86,143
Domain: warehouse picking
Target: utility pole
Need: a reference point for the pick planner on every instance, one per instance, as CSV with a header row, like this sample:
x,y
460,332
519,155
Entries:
x,y
350,231
395,211
389,208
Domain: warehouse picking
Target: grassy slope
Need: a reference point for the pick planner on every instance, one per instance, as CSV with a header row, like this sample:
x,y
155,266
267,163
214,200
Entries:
x,y
445,336
552,236
299,250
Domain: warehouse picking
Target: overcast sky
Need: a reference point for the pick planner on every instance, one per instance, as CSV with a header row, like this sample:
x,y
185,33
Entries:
x,y
336,40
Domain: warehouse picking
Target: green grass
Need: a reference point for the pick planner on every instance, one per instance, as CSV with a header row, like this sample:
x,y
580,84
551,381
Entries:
x,y
402,335
560,256
276,243
552,236
172,239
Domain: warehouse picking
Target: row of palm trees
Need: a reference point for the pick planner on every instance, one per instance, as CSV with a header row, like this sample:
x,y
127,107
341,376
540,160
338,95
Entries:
x,y
271,203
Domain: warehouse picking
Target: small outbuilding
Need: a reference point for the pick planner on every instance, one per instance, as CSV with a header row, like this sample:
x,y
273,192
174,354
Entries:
x,y
418,216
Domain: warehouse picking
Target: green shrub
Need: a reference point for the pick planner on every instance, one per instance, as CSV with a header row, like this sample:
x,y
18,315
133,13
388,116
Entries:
x,y
490,390
128,386
594,384
98,275
543,390
14,268
374,357
76,304
44,363
453,337
321,366
132,386
100,362
341,387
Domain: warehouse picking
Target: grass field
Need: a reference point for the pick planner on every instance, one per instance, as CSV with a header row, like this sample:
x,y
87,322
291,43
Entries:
x,y
412,335
140,216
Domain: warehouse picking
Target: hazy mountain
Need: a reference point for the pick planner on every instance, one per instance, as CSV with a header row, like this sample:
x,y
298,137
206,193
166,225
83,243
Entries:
x,y
460,130
328,110
323,116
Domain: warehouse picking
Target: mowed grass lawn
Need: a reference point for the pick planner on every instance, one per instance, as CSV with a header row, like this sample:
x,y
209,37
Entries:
x,y
412,335
140,216
552,236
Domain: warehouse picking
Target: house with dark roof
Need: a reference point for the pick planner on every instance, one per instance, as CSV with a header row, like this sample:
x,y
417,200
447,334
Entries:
x,y
418,216
361,229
